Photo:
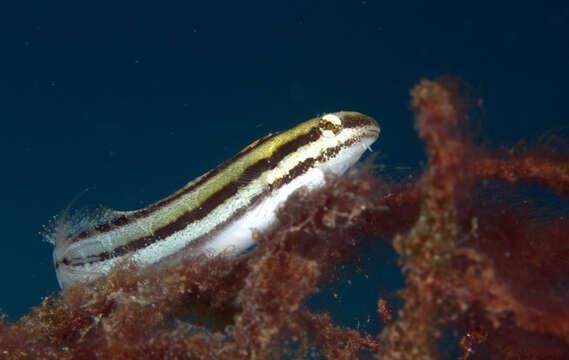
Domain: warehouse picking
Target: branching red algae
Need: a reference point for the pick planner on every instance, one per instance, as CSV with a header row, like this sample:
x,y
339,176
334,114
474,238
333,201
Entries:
x,y
552,173
446,277
428,248
496,276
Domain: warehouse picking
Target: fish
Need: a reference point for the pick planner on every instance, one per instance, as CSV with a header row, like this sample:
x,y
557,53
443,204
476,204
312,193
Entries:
x,y
218,212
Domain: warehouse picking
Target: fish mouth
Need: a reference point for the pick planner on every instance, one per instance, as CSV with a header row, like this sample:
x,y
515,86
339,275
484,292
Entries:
x,y
371,133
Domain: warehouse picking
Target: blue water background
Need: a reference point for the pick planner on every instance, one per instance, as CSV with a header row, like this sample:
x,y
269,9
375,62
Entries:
x,y
132,101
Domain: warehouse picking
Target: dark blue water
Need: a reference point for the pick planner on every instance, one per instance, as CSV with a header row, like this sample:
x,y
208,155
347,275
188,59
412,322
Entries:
x,y
132,101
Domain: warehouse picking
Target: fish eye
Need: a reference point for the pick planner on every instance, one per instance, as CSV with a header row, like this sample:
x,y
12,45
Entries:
x,y
330,125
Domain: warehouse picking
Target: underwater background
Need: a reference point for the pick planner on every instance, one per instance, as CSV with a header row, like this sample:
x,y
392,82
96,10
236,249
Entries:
x,y
131,101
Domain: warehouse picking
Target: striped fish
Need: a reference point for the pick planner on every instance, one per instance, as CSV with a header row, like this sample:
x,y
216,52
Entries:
x,y
220,210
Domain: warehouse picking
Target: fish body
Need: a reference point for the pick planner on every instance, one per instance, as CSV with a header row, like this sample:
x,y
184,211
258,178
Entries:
x,y
220,210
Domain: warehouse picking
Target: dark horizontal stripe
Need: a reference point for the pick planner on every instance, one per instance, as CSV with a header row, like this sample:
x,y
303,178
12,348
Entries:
x,y
180,223
207,176
125,219
142,243
357,121
348,120
199,212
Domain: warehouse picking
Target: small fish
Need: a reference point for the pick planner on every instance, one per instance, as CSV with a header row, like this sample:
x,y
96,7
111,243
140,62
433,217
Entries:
x,y
220,210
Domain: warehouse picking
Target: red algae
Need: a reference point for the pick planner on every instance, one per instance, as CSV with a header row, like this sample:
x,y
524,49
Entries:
x,y
492,259
528,167
495,276
384,310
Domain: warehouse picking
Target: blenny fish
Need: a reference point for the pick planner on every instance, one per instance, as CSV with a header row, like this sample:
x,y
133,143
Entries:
x,y
219,211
